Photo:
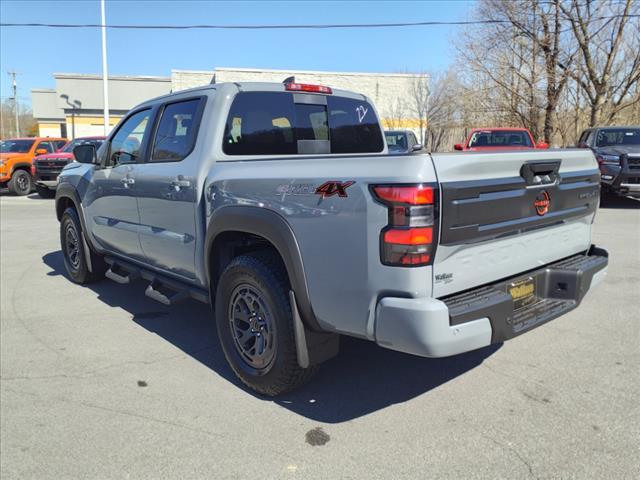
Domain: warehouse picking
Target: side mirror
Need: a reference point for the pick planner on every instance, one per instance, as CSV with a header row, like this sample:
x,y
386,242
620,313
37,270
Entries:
x,y
417,147
457,146
542,145
85,153
41,151
582,145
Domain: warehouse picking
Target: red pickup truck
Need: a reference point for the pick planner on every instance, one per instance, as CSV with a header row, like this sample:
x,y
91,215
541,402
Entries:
x,y
499,138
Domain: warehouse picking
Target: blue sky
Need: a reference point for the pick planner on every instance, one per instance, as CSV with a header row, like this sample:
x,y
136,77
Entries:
x,y
39,52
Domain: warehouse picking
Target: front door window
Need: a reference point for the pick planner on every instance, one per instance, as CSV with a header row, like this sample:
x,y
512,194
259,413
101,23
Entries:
x,y
127,142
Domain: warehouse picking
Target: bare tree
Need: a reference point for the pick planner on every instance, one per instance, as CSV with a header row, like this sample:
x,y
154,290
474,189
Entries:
x,y
553,66
444,111
396,116
547,42
609,46
524,55
419,103
28,126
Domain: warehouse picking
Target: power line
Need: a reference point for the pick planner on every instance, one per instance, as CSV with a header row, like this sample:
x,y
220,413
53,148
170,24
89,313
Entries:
x,y
280,27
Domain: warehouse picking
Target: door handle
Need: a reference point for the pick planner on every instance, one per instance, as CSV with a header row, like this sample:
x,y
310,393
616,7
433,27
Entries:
x,y
127,181
179,184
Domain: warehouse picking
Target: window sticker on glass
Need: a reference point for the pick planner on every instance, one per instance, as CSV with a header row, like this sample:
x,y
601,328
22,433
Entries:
x,y
362,112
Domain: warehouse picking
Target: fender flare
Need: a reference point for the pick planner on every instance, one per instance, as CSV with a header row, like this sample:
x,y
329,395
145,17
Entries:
x,y
274,228
21,166
68,191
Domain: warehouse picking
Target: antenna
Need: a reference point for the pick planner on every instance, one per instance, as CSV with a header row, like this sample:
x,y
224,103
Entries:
x,y
290,79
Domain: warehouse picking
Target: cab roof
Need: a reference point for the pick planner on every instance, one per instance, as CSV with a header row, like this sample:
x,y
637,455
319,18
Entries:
x,y
236,87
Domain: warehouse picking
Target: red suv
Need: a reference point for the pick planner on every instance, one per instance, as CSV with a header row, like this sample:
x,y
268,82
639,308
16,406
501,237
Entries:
x,y
46,168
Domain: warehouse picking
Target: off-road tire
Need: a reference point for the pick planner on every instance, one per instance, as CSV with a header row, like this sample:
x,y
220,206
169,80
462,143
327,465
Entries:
x,y
264,273
73,252
21,183
45,192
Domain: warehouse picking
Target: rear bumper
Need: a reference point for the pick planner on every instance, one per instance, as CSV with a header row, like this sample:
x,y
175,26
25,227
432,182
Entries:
x,y
439,328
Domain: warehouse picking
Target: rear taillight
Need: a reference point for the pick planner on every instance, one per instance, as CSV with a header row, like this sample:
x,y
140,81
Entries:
x,y
409,240
305,87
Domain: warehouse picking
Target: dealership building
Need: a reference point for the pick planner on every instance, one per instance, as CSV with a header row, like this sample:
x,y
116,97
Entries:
x,y
74,108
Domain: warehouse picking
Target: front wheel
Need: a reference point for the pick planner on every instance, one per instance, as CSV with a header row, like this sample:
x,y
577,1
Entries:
x,y
255,326
73,251
20,183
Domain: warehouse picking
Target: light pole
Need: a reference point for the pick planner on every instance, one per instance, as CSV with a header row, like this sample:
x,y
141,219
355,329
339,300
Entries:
x,y
105,89
15,101
76,104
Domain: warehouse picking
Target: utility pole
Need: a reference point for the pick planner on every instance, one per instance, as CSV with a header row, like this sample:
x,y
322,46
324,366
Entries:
x,y
15,99
105,89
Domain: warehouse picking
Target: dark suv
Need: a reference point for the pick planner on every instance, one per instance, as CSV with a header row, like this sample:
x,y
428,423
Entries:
x,y
617,150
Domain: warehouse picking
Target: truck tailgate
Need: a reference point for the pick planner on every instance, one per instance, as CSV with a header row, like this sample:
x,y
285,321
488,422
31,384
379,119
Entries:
x,y
504,213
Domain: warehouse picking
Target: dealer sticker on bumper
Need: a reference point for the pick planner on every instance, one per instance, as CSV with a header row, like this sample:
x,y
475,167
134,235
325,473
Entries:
x,y
523,292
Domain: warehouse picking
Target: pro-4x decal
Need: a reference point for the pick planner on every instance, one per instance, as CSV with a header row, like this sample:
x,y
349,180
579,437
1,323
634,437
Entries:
x,y
334,187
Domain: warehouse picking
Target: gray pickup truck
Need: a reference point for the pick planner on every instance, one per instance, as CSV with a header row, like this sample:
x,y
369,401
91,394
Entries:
x,y
280,206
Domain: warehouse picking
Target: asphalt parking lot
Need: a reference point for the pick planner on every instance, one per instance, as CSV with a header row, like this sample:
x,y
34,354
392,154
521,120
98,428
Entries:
x,y
102,382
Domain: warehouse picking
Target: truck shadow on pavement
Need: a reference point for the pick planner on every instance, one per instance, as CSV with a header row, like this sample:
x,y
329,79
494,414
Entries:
x,y
362,379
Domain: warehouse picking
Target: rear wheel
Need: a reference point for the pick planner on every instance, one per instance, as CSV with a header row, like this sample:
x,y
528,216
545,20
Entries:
x,y
255,326
45,192
73,251
20,183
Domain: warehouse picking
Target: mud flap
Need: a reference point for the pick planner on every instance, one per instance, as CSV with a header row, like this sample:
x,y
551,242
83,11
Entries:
x,y
312,348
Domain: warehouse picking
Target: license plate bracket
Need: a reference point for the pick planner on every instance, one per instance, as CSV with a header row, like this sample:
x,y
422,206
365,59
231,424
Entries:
x,y
523,292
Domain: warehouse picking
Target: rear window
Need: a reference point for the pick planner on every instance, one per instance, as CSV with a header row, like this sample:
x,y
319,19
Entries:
x,y
272,123
500,138
397,142
618,136
354,126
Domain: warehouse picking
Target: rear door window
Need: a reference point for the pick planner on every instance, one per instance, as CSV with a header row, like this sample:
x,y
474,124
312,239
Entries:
x,y
176,132
274,123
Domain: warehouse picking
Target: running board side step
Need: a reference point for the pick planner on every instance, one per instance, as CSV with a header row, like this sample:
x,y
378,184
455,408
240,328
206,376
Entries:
x,y
161,288
167,296
121,275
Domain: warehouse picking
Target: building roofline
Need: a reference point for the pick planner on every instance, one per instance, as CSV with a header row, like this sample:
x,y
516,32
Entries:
x,y
93,76
181,70
315,72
